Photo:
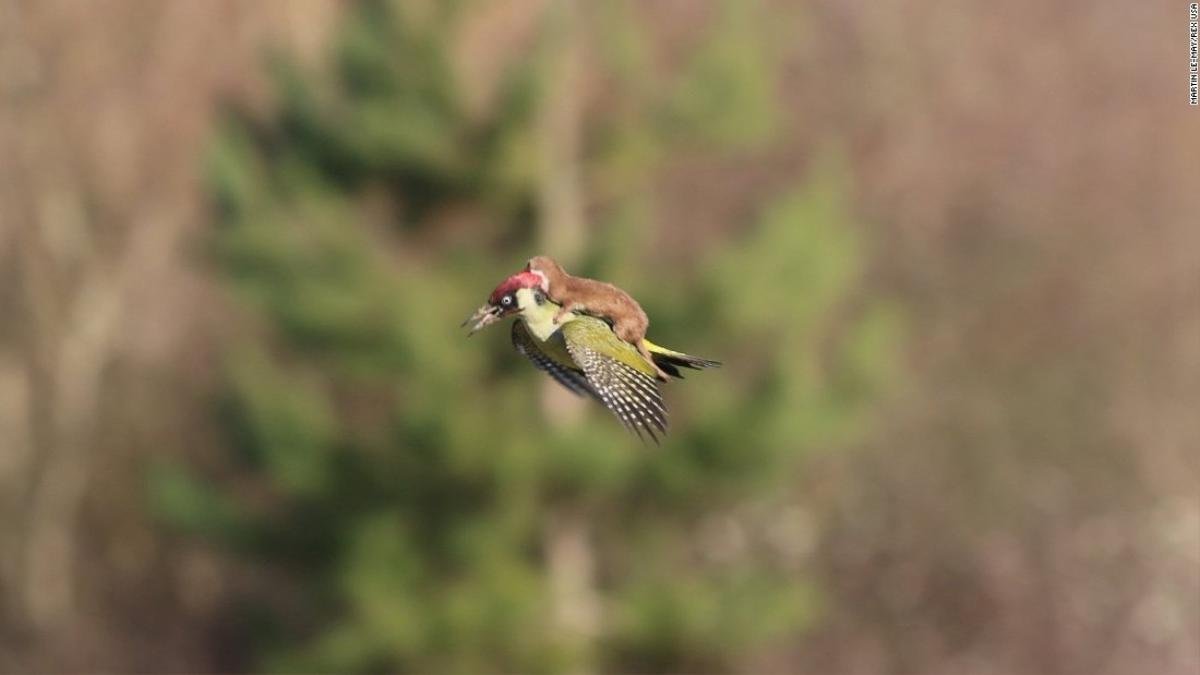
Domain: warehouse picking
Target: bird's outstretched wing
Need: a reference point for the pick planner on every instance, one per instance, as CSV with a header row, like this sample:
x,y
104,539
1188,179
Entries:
x,y
561,370
629,392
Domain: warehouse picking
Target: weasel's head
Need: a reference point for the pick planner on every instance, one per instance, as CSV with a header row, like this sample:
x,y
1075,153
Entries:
x,y
544,267
503,300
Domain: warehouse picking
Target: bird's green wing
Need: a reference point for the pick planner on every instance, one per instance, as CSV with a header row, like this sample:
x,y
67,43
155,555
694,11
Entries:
x,y
621,378
600,336
552,357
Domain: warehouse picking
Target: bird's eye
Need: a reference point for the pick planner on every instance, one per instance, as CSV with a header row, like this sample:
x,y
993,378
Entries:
x,y
506,300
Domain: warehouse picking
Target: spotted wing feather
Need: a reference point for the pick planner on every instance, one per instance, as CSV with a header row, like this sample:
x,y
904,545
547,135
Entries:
x,y
630,394
571,378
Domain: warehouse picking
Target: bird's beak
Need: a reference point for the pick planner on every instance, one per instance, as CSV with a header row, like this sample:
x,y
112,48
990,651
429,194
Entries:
x,y
486,315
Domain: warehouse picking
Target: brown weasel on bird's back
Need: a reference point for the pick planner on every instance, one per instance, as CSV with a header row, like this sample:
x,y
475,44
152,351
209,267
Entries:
x,y
598,299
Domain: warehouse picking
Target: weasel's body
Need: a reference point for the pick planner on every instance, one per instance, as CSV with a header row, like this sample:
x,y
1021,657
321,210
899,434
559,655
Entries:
x,y
598,299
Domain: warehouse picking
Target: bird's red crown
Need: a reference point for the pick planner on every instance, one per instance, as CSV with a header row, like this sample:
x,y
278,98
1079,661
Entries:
x,y
516,281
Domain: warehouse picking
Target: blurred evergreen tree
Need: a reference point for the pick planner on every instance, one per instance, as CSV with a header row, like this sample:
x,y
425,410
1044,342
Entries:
x,y
395,478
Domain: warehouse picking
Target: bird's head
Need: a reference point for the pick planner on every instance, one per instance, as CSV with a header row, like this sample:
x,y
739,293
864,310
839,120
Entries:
x,y
505,299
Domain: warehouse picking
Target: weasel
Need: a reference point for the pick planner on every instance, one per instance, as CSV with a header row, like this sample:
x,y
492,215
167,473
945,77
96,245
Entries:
x,y
598,299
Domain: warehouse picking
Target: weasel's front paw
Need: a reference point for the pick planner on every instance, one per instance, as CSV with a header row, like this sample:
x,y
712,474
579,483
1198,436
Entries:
x,y
560,315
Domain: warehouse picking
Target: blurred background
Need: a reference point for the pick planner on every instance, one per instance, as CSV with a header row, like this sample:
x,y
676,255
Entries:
x,y
948,253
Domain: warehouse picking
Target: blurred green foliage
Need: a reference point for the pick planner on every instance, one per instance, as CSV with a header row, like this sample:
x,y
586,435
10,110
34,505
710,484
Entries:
x,y
399,481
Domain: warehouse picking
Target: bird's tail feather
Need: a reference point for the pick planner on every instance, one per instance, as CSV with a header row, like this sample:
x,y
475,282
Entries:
x,y
670,361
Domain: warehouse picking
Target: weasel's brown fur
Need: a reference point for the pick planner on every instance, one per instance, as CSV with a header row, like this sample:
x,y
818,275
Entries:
x,y
598,299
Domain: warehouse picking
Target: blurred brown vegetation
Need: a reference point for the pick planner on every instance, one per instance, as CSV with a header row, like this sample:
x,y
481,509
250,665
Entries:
x,y
1027,498
104,111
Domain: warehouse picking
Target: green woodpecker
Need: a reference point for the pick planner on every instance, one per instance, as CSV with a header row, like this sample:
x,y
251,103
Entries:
x,y
583,354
